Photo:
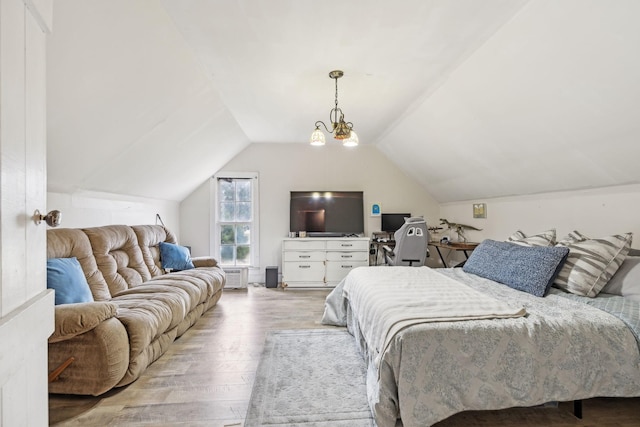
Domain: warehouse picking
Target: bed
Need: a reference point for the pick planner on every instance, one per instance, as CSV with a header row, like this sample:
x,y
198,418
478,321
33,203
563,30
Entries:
x,y
561,347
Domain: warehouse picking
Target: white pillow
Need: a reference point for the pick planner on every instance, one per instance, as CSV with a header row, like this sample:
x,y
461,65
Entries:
x,y
626,281
546,238
591,262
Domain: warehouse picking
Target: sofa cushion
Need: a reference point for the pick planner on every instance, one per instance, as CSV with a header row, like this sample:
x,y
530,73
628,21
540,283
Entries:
x,y
71,242
148,312
118,256
201,283
65,276
175,257
149,237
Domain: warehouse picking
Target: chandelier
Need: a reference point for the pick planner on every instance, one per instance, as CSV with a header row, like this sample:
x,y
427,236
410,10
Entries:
x,y
340,129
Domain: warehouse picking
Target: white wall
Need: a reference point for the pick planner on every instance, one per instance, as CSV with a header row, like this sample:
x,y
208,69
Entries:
x,y
595,213
286,167
195,220
93,209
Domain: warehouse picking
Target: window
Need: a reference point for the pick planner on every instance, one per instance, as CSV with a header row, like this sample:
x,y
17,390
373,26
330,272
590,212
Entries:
x,y
236,219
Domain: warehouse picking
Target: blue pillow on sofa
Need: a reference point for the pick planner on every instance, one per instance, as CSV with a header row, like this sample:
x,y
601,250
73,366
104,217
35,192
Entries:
x,y
175,257
65,276
527,269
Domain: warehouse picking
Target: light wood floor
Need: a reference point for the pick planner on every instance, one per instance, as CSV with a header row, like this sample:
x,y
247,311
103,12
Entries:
x,y
205,378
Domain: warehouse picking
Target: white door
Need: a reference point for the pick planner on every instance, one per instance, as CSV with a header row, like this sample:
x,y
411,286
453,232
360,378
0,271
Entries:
x,y
26,306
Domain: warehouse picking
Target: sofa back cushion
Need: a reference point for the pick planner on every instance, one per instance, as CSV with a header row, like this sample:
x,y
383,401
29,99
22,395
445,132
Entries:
x,y
70,242
149,238
118,256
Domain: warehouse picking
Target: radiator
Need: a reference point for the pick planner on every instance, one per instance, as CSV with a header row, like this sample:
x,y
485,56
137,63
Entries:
x,y
237,277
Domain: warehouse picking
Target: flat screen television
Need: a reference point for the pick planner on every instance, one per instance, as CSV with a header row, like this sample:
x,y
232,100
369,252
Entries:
x,y
327,213
391,222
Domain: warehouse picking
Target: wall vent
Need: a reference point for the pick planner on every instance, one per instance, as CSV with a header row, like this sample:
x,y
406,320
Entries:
x,y
237,277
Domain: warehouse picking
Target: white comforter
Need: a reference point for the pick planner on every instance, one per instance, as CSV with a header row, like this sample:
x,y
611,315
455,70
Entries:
x,y
387,306
561,350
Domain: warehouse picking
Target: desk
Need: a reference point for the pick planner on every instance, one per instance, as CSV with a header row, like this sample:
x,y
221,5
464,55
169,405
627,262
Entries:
x,y
378,244
454,246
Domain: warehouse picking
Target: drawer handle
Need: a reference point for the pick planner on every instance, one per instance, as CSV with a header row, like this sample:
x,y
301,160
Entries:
x,y
304,266
347,266
346,245
304,256
347,256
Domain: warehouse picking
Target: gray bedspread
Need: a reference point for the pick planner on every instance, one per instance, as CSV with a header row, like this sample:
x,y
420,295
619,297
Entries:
x,y
625,309
561,350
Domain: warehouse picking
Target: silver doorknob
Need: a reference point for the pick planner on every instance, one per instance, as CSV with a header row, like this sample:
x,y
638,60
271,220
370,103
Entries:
x,y
52,219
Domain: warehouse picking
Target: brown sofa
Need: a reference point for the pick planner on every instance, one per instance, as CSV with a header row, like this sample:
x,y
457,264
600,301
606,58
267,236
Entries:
x,y
138,310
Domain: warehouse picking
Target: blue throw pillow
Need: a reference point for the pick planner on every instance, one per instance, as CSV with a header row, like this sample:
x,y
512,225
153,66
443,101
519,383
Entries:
x,y
175,257
527,269
66,277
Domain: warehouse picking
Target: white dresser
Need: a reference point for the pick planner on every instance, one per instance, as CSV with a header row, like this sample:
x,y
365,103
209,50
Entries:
x,y
320,261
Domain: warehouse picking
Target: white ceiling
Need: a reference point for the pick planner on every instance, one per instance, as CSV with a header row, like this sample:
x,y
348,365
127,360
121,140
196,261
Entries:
x,y
473,98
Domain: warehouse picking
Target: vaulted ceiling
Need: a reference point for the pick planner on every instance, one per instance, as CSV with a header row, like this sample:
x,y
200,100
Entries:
x,y
473,98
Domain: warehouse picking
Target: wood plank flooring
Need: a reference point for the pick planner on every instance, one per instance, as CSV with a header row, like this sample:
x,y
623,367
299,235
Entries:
x,y
205,378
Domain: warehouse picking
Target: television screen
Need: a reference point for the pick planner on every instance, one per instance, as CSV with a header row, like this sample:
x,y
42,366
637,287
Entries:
x,y
391,222
327,213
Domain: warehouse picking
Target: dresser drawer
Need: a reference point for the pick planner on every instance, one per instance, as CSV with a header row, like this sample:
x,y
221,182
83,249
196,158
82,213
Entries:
x,y
312,271
304,245
303,256
337,270
352,244
348,256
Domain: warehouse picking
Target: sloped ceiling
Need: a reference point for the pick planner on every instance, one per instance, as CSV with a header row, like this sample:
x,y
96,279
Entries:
x,y
474,99
130,108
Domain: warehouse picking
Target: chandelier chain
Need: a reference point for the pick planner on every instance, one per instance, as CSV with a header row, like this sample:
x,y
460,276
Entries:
x,y
336,79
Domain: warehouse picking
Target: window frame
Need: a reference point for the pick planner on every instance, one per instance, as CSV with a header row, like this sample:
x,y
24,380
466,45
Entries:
x,y
254,261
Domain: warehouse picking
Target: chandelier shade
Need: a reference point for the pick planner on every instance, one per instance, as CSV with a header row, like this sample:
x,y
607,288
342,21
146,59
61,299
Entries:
x,y
317,137
352,141
340,129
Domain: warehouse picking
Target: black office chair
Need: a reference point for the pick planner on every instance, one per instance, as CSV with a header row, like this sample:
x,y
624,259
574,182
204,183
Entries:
x,y
411,244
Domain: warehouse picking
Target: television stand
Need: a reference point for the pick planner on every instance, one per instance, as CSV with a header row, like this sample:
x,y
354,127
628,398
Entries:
x,y
312,262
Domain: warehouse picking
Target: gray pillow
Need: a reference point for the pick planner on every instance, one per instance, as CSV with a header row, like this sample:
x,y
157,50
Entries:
x,y
528,269
591,262
626,281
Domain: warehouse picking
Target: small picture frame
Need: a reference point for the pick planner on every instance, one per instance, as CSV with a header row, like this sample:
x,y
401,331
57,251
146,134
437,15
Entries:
x,y
375,209
479,210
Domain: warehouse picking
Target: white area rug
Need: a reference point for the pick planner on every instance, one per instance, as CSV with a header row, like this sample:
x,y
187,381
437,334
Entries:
x,y
310,378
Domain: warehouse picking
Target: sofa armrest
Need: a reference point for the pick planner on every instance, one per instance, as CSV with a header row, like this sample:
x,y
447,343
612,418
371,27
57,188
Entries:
x,y
101,359
204,261
76,319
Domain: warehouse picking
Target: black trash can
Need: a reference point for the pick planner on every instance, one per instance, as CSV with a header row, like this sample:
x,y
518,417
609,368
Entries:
x,y
271,277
